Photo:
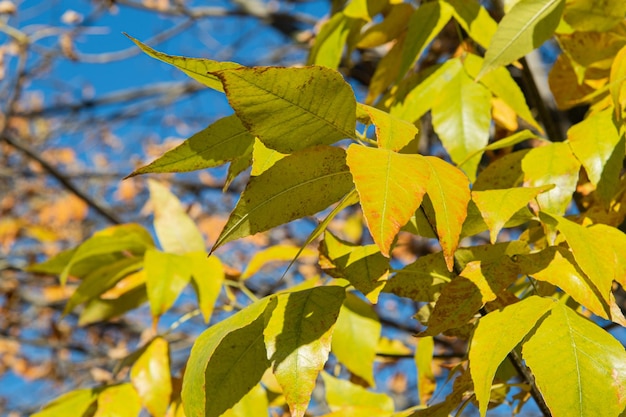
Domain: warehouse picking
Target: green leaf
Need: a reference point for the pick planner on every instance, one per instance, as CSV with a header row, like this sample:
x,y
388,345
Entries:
x,y
118,401
498,206
448,190
223,141
254,403
552,164
207,277
263,158
355,340
341,393
226,362
462,118
101,279
176,231
364,266
426,22
495,336
524,28
75,403
297,335
150,376
391,27
365,9
504,172
421,280
276,253
197,68
588,363
129,238
390,186
500,82
475,19
426,382
391,132
594,15
98,309
298,185
166,276
309,106
236,167
330,42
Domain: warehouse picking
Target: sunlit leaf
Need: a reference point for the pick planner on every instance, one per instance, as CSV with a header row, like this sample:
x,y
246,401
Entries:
x,y
309,106
150,375
364,266
298,335
390,186
588,363
296,186
223,141
391,132
498,206
277,253
356,336
495,336
462,117
330,42
365,9
254,403
449,193
524,28
389,28
426,382
118,400
263,158
226,362
618,78
341,393
77,403
552,164
207,277
475,19
166,276
594,15
504,172
197,68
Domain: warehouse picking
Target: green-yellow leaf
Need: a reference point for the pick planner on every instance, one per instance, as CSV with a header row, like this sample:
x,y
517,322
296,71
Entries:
x,y
118,401
150,375
390,186
426,22
77,403
226,362
276,253
309,106
495,336
421,280
588,363
365,9
524,28
298,335
221,142
462,118
236,167
386,71
364,266
263,158
197,68
176,231
166,276
356,336
331,40
341,393
389,28
391,132
475,19
207,277
617,85
254,403
426,382
552,164
298,185
594,15
504,172
449,193
98,309
498,206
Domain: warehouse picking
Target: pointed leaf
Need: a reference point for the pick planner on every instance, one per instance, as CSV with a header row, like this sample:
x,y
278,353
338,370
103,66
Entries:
x,y
226,362
330,42
207,277
421,280
176,231
341,393
99,309
426,382
364,266
498,206
254,403
309,106
356,336
221,142
462,118
263,158
277,253
524,28
390,186
495,336
166,276
552,164
236,167
150,375
475,20
504,172
448,190
197,68
298,335
298,185
76,403
588,363
391,132
119,401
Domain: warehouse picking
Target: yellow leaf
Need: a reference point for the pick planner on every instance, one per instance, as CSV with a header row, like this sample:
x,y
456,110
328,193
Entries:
x,y
150,375
390,28
391,132
277,253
